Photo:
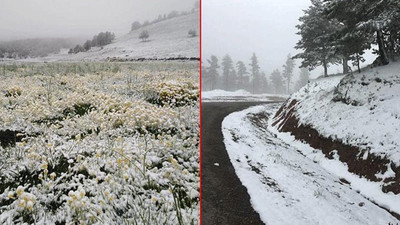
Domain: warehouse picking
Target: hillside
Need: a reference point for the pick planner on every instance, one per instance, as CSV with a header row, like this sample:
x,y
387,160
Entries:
x,y
355,120
168,39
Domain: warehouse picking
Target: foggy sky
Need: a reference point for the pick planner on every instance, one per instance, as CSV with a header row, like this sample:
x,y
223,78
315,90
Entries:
x,y
266,27
78,18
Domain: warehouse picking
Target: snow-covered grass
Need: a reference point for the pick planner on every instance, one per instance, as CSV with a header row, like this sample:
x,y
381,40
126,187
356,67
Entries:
x,y
239,95
361,110
168,39
99,143
291,183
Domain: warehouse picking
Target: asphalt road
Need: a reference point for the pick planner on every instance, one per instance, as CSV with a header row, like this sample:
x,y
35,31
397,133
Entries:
x,y
225,200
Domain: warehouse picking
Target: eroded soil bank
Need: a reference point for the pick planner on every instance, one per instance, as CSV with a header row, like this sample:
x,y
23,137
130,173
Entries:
x,y
369,167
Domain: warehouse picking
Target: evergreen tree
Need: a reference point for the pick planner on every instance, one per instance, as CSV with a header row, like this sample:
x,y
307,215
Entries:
x,y
212,71
87,45
288,71
264,83
351,42
78,48
242,78
205,78
233,84
255,73
277,82
303,79
316,33
365,19
227,67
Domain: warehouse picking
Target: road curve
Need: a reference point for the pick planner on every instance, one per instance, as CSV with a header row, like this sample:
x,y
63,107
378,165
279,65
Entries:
x,y
225,200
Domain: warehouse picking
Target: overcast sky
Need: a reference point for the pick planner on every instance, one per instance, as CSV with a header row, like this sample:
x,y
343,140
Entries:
x,y
78,18
266,27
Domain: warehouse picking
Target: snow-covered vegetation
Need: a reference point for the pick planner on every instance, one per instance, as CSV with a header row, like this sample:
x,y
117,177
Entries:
x,y
99,143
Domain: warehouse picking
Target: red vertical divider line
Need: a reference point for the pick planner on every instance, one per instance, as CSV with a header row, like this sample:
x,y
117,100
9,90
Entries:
x,y
200,115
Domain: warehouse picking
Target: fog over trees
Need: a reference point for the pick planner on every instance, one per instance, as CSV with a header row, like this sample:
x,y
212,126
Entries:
x,y
229,75
99,40
331,33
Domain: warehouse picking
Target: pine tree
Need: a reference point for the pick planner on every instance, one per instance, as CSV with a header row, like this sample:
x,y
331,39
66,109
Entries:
x,y
87,45
205,78
233,84
316,38
365,19
242,78
227,67
351,42
303,79
277,82
255,73
212,70
288,71
264,83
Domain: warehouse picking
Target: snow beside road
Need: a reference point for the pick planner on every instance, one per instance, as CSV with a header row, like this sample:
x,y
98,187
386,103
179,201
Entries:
x,y
239,95
291,183
362,110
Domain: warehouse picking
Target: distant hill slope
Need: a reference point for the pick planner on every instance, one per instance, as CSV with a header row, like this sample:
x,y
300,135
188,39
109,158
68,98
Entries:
x,y
34,47
168,39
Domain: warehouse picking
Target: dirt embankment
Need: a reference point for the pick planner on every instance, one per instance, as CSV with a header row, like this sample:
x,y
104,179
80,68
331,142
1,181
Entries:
x,y
286,121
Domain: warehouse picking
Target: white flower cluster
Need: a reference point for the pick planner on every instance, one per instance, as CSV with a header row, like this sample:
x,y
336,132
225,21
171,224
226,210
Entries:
x,y
25,200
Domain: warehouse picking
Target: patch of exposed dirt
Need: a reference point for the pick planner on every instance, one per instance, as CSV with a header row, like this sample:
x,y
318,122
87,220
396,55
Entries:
x,y
286,121
10,137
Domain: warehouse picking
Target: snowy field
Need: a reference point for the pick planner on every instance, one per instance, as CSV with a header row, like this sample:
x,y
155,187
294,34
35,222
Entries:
x,y
99,143
239,95
291,183
168,39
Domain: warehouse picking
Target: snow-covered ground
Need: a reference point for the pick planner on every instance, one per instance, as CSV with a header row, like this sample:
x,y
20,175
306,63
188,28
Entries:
x,y
360,110
99,143
239,95
168,39
291,183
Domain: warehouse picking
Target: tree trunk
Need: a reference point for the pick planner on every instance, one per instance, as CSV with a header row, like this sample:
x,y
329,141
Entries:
x,y
381,45
393,43
358,64
253,85
345,66
325,68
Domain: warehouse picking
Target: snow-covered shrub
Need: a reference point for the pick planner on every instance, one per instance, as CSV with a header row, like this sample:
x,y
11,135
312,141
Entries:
x,y
172,93
92,153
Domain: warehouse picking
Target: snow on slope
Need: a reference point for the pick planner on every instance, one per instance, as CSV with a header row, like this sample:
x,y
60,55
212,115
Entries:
x,y
287,187
361,110
168,39
238,95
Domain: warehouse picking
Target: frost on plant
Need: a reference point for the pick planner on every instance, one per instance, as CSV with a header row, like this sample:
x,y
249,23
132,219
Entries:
x,y
82,144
